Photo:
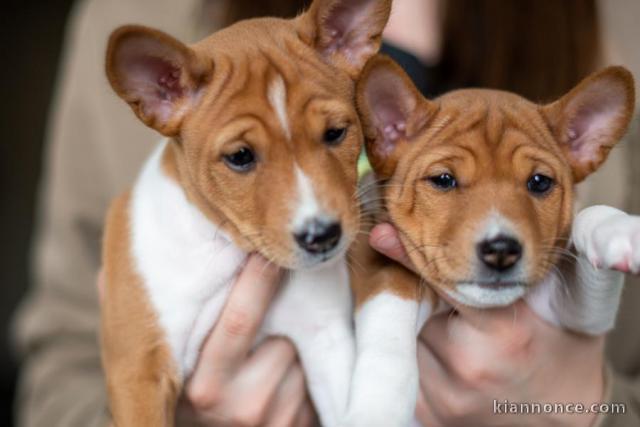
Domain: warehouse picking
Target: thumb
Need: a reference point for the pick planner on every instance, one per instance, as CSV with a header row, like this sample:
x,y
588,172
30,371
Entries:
x,y
384,238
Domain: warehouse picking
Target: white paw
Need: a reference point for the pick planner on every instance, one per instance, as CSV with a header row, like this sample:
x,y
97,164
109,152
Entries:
x,y
350,421
609,238
367,420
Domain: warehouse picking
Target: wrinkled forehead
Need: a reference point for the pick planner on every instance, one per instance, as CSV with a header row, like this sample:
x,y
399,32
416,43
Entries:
x,y
492,124
260,50
270,75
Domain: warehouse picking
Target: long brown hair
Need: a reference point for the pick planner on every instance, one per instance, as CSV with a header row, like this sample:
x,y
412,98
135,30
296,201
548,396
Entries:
x,y
537,48
245,9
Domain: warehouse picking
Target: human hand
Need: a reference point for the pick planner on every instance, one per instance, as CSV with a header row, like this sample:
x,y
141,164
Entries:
x,y
468,358
234,384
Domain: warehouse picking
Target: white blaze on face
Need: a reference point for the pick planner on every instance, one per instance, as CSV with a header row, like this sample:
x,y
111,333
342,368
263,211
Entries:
x,y
277,95
495,225
306,205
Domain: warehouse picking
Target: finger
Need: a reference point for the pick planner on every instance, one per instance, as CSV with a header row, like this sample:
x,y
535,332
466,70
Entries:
x,y
243,313
248,395
263,373
492,320
635,258
244,395
471,355
290,397
384,238
307,415
448,336
448,401
435,382
422,411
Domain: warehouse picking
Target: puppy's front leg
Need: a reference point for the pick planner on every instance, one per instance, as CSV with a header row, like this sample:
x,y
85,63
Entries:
x,y
587,298
328,359
314,309
385,381
143,381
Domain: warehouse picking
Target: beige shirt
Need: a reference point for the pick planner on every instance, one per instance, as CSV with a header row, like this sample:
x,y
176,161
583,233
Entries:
x,y
94,151
95,148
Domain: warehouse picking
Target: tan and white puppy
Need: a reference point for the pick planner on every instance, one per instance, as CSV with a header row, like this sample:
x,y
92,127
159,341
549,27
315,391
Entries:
x,y
262,143
480,184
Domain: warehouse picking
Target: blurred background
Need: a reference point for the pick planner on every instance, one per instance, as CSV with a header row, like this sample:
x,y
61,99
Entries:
x,y
32,33
570,35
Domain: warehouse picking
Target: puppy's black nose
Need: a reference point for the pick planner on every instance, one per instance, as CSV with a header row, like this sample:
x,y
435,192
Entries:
x,y
319,237
500,253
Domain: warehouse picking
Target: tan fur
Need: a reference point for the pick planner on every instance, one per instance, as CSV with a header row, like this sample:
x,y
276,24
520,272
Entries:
x,y
371,272
199,70
493,142
236,105
217,102
557,117
311,29
141,376
240,107
169,164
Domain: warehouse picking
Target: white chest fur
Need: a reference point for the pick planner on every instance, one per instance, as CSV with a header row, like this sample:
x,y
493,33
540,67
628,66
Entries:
x,y
186,262
188,265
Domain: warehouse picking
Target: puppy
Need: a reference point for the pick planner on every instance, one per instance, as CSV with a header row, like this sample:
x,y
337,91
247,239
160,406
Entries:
x,y
480,184
262,140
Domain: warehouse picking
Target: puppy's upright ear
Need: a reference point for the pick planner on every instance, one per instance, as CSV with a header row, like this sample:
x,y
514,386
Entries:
x,y
393,113
591,118
346,32
157,75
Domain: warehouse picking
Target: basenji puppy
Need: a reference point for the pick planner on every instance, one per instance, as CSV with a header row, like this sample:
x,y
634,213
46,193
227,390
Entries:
x,y
262,143
480,185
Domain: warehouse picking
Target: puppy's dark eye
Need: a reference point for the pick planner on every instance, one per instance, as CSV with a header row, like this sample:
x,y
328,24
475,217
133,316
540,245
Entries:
x,y
540,184
443,182
242,160
334,136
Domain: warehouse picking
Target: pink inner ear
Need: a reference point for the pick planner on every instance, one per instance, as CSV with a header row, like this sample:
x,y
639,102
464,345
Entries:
x,y
157,74
347,29
390,103
150,72
391,122
593,119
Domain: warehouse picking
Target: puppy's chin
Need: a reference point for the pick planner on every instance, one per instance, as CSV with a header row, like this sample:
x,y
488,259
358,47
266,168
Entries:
x,y
301,260
306,261
487,295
